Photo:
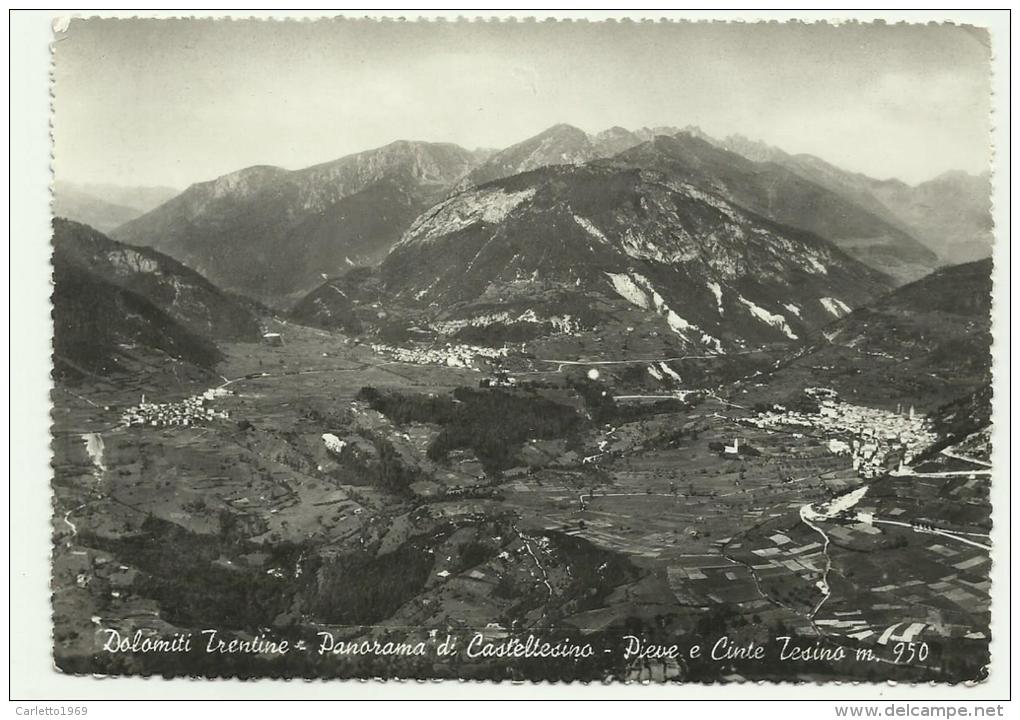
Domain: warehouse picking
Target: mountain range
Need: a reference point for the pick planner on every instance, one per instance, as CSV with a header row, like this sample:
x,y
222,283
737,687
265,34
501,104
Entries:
x,y
275,234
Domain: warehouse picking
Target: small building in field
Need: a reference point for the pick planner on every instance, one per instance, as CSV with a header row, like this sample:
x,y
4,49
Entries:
x,y
273,339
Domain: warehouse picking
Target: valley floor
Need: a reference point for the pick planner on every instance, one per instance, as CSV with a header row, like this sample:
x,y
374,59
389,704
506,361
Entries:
x,y
288,506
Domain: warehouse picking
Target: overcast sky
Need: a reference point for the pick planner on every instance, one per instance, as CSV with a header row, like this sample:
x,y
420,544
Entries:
x,y
166,102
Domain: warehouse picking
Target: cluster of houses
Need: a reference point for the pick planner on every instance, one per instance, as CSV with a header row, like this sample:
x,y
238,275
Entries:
x,y
876,440
499,379
190,411
449,355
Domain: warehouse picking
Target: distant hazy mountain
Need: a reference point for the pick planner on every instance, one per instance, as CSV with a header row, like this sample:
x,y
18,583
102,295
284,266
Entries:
x,y
779,193
590,245
108,295
612,141
273,234
142,197
751,149
106,207
951,214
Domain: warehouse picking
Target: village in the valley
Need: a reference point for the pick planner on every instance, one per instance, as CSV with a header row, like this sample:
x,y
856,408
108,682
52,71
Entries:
x,y
193,410
876,440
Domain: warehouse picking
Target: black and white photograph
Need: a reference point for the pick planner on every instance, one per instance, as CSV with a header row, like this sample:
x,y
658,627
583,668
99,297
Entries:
x,y
533,350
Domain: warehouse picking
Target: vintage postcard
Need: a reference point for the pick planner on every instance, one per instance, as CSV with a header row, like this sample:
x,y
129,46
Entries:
x,y
528,350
